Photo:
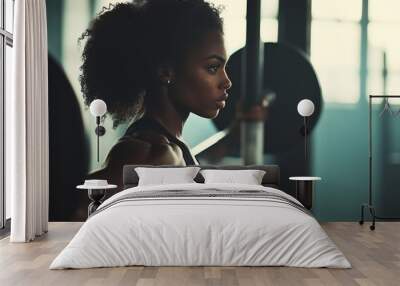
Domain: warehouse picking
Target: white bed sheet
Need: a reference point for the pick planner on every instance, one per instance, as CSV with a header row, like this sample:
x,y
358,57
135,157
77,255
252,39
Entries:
x,y
200,231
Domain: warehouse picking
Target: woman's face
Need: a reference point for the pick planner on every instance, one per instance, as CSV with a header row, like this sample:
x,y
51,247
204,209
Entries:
x,y
201,83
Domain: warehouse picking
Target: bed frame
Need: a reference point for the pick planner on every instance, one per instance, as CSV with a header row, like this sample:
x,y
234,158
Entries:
x,y
270,179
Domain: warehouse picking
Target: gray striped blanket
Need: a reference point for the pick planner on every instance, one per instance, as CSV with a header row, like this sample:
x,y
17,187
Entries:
x,y
205,194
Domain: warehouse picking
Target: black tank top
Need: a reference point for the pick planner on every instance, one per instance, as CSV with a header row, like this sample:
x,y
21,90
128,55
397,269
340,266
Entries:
x,y
149,124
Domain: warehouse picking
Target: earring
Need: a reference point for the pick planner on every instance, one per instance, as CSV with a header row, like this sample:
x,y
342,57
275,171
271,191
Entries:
x,y
168,81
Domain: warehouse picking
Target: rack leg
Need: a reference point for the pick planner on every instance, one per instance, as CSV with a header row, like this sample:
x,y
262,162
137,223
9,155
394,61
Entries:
x,y
362,215
372,211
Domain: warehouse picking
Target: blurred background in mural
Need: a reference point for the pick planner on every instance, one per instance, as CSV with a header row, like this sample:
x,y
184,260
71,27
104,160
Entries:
x,y
353,49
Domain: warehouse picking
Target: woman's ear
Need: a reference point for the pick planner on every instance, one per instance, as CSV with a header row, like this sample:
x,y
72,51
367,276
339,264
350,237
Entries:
x,y
166,74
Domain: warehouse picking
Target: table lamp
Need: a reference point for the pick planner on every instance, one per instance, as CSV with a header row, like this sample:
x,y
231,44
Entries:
x,y
98,108
305,108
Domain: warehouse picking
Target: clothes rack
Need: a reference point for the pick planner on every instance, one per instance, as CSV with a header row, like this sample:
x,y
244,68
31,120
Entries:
x,y
369,205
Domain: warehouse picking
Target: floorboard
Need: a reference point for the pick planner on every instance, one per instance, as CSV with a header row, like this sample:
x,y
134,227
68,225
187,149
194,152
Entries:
x,y
375,257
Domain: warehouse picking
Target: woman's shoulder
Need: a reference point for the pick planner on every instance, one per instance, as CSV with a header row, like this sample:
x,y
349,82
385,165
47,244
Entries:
x,y
139,149
145,147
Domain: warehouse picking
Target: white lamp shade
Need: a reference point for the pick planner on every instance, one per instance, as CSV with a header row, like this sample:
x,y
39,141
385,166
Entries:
x,y
98,107
305,107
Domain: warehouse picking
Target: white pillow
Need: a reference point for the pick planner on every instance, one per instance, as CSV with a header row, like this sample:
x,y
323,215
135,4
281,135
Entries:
x,y
248,177
162,176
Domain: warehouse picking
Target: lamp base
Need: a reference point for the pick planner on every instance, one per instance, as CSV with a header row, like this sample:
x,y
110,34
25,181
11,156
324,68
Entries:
x,y
100,130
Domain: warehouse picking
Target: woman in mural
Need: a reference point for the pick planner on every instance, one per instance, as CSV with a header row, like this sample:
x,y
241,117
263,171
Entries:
x,y
154,62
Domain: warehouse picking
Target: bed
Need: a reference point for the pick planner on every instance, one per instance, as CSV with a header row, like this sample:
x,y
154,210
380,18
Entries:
x,y
201,224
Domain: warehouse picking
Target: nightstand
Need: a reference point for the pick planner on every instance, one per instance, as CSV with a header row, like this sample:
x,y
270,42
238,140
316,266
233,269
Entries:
x,y
96,195
304,189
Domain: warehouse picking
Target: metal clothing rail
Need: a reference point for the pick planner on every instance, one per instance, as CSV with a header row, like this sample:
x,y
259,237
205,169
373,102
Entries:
x,y
369,205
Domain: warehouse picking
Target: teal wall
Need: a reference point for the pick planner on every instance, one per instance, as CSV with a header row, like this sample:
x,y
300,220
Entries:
x,y
340,157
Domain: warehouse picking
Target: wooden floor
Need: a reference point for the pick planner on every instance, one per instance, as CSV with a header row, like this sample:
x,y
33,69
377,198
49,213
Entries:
x,y
375,257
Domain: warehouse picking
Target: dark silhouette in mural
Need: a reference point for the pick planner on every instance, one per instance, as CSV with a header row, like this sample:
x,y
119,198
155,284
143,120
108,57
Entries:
x,y
154,62
289,74
291,77
68,157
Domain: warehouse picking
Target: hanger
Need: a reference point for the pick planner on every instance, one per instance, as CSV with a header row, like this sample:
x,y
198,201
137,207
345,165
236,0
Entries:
x,y
388,108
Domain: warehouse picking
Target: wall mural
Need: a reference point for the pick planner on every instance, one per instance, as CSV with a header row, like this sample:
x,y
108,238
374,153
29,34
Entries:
x,y
128,52
169,72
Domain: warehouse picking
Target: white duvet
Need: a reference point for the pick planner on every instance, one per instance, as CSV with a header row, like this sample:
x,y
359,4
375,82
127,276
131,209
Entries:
x,y
176,231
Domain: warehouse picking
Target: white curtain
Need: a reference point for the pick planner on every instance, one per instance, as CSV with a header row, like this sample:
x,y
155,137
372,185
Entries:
x,y
27,145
